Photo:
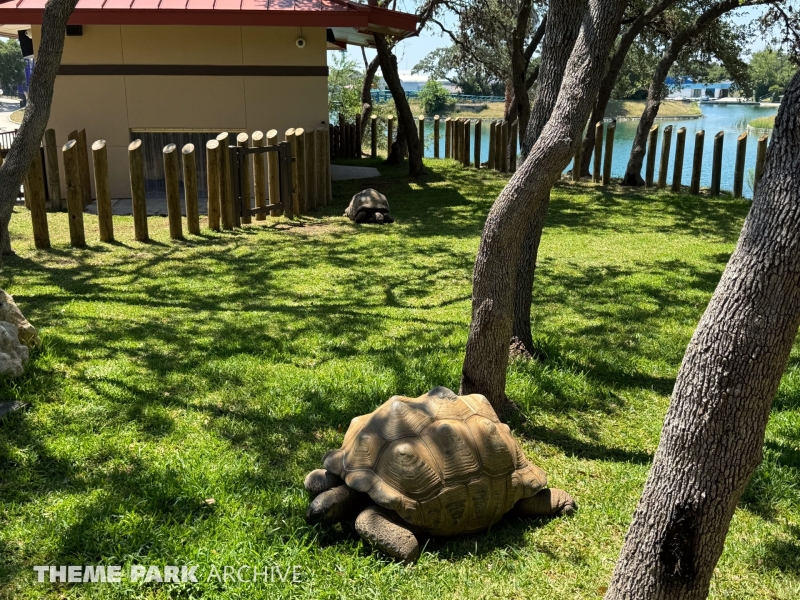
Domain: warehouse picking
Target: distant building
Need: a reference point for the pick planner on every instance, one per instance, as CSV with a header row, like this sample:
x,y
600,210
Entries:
x,y
689,90
415,82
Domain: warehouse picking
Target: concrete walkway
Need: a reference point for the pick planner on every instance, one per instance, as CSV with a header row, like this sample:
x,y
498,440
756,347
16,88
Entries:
x,y
342,172
156,207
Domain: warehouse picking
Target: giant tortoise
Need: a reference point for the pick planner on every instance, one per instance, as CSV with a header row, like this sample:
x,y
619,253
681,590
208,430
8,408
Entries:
x,y
437,465
369,206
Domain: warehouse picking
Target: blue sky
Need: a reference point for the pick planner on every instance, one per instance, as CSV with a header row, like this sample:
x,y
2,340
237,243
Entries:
x,y
411,51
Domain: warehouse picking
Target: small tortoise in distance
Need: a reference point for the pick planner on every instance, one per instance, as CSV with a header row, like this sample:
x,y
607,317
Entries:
x,y
369,206
437,465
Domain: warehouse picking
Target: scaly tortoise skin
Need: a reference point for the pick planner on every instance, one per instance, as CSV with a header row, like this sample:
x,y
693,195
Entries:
x,y
444,464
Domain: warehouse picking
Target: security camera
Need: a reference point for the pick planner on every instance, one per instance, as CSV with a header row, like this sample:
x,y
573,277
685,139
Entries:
x,y
300,43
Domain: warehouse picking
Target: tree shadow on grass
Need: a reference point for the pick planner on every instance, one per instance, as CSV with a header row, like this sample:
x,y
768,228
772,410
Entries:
x,y
182,325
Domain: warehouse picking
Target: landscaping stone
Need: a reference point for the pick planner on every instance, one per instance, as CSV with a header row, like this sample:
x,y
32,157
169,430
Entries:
x,y
10,313
13,354
369,206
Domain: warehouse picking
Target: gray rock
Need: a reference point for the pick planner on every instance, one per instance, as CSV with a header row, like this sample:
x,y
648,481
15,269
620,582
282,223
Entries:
x,y
13,354
10,313
369,206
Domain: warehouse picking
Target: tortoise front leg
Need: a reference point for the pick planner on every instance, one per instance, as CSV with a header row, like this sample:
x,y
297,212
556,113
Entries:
x,y
550,502
341,503
385,530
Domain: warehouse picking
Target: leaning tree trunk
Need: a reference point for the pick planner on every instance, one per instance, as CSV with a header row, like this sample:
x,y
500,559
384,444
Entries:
x,y
406,126
559,38
610,80
633,172
366,94
713,434
37,111
508,222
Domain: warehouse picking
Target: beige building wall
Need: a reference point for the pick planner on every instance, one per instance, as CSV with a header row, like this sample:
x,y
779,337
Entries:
x,y
111,106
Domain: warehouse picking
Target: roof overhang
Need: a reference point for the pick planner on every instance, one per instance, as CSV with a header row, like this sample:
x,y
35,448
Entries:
x,y
352,23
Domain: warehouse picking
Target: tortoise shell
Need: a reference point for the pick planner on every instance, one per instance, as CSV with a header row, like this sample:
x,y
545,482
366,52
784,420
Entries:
x,y
368,199
444,463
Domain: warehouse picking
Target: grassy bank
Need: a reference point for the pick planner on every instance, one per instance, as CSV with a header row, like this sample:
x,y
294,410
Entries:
x,y
616,109
763,123
223,367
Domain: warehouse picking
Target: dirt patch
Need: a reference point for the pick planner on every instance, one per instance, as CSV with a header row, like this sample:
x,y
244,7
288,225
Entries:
x,y
315,229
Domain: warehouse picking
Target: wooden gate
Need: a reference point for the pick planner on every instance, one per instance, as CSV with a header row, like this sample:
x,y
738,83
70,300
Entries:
x,y
240,181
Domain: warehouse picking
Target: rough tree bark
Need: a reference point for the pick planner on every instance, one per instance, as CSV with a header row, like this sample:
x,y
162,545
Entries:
x,y
713,434
406,126
633,172
37,112
559,39
610,80
508,222
366,92
520,61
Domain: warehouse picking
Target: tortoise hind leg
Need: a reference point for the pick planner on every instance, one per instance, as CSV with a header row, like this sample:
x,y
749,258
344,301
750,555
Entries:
x,y
383,529
550,502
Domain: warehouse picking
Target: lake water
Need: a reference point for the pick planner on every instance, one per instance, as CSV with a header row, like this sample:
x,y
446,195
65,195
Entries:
x,y
730,118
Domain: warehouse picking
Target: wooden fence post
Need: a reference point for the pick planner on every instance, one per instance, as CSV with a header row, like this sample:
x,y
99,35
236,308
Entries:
x,y
677,169
436,136
138,198
322,159
212,168
492,145
697,162
37,203
83,163
512,163
359,139
172,181
243,141
761,156
373,120
310,145
190,189
577,160
302,194
288,136
477,144
504,149
389,134
716,164
328,180
273,172
343,147
103,191
225,187
422,135
652,142
738,172
467,137
448,137
259,175
53,179
666,143
611,129
454,139
597,171
72,176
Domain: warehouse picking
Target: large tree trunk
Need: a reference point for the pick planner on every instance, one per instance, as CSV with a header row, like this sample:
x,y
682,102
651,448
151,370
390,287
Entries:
x,y
406,126
610,80
559,38
633,172
520,61
366,93
508,222
37,112
714,430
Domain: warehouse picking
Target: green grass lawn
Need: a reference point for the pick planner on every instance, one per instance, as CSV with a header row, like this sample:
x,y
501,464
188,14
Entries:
x,y
225,366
